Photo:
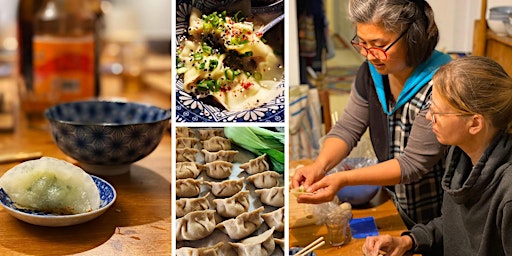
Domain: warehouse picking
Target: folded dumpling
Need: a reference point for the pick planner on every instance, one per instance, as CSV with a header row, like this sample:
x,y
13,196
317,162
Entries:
x,y
218,169
217,143
232,206
223,155
184,132
186,205
267,179
280,242
186,154
51,185
261,245
186,142
243,225
275,219
186,170
202,251
188,187
195,225
225,188
256,165
271,196
205,134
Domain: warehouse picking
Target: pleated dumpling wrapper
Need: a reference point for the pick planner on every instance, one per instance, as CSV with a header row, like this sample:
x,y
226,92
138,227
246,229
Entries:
x,y
51,185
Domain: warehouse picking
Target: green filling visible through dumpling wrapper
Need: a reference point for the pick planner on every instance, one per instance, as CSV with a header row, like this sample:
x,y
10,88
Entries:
x,y
51,185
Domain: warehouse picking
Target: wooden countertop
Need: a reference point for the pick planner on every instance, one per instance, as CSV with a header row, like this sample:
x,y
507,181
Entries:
x,y
138,223
381,208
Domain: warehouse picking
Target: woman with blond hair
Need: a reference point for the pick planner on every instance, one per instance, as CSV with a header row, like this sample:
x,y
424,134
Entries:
x,y
471,109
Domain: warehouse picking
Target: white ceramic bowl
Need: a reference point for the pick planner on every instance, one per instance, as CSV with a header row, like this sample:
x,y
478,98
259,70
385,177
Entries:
x,y
107,198
497,26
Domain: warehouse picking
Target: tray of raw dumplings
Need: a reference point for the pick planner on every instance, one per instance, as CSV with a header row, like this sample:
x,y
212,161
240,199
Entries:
x,y
228,200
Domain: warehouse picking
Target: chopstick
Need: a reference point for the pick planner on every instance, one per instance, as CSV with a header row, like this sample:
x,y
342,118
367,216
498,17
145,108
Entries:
x,y
19,157
311,247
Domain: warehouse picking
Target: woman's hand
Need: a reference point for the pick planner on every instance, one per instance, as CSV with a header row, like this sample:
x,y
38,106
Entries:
x,y
392,245
324,190
307,175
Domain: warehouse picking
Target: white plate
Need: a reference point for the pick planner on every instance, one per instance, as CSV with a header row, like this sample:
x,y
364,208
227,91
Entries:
x,y
189,108
107,198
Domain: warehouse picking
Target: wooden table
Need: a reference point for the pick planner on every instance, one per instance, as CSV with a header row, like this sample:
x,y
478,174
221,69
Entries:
x,y
138,223
381,208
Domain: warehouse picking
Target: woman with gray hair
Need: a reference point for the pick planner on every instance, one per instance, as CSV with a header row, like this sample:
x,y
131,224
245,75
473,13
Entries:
x,y
389,97
471,109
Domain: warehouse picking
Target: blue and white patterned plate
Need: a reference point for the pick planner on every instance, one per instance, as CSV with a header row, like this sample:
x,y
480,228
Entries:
x,y
107,198
189,108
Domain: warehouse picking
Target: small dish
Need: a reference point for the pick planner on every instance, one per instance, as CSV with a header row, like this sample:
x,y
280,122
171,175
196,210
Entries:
x,y
107,198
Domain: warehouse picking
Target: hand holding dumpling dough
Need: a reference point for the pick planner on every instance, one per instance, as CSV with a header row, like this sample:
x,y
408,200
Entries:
x,y
51,185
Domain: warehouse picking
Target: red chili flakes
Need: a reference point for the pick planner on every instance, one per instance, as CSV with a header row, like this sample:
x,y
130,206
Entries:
x,y
246,85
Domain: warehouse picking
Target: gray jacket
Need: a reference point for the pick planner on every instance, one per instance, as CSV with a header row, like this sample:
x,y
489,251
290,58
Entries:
x,y
477,207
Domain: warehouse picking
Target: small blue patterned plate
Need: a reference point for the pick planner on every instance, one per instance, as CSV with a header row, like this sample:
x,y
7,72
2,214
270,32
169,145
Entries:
x,y
107,198
191,109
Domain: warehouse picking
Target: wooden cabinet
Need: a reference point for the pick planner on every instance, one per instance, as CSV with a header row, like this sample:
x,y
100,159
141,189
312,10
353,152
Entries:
x,y
489,44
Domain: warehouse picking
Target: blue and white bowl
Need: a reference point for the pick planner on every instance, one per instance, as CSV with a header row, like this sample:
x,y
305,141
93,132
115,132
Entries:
x,y
106,137
191,109
107,198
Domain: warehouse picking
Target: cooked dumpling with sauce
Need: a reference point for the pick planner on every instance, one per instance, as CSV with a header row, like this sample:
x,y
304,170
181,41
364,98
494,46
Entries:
x,y
268,179
271,196
256,165
195,225
188,187
243,225
275,219
232,206
186,154
51,185
186,170
225,188
261,245
186,205
202,251
218,169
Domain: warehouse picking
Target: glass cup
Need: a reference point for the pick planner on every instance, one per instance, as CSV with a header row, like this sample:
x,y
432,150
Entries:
x,y
33,104
338,228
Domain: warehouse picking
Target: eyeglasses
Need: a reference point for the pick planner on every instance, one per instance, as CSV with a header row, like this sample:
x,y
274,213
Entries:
x,y
433,114
376,52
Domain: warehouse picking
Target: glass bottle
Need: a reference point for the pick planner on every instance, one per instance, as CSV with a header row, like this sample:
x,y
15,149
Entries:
x,y
26,13
64,49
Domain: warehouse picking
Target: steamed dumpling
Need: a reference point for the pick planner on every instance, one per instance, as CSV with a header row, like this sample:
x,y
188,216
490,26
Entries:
x,y
51,185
